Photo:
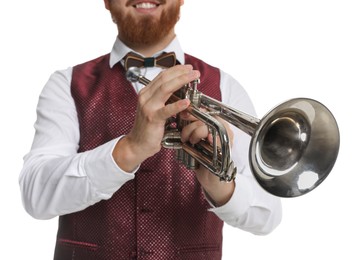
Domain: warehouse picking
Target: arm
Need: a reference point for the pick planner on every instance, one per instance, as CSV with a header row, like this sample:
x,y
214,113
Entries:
x,y
55,179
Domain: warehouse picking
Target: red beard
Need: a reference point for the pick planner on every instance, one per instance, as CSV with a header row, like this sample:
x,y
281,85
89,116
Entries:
x,y
146,30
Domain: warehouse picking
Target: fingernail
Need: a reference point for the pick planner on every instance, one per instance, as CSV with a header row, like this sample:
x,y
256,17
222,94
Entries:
x,y
184,103
184,114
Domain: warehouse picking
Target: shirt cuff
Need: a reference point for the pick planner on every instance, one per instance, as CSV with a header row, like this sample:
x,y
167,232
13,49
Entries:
x,y
240,202
105,175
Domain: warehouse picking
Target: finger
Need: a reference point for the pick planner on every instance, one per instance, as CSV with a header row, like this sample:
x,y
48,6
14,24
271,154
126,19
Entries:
x,y
165,75
194,132
173,109
185,115
163,86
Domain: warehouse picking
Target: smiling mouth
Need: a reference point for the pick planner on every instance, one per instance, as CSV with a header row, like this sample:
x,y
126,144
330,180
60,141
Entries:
x,y
146,5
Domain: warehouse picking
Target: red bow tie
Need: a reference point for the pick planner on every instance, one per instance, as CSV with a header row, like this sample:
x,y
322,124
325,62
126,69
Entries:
x,y
165,60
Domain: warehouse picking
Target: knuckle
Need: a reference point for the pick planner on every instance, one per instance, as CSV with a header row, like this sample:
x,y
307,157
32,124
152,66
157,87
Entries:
x,y
164,88
163,77
141,98
147,113
184,79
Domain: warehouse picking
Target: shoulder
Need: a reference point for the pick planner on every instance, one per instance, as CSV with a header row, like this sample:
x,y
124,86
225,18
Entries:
x,y
235,95
104,59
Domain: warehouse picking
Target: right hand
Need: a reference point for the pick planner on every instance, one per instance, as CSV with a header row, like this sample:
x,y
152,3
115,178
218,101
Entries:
x,y
218,192
144,139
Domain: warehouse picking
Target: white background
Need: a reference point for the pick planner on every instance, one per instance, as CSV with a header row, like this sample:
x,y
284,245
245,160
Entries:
x,y
277,49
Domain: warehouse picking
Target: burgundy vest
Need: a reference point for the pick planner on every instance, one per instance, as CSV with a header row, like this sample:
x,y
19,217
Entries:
x,y
161,214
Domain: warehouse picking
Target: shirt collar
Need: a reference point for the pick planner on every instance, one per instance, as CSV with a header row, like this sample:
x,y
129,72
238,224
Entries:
x,y
119,51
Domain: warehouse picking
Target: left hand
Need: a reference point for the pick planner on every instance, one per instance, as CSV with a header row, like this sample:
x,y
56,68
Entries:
x,y
219,192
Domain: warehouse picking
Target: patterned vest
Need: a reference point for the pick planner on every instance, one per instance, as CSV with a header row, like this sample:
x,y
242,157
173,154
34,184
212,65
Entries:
x,y
159,215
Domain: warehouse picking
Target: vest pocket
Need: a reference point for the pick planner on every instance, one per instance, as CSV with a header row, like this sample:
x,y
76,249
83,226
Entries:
x,y
198,249
77,244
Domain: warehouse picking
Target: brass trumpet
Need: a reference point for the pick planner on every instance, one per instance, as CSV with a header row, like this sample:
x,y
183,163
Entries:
x,y
293,147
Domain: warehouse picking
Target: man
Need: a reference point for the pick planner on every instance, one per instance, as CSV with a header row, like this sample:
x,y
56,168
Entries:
x,y
97,161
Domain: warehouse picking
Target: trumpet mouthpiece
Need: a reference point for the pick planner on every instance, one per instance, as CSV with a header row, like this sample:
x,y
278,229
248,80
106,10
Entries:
x,y
133,74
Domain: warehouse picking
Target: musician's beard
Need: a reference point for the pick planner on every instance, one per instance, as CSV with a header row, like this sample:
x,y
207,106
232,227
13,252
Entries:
x,y
147,31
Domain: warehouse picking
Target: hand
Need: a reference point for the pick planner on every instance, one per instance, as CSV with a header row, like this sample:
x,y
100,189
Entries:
x,y
217,191
144,139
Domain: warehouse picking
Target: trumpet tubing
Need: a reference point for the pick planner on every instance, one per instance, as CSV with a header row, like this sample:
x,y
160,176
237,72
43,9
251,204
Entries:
x,y
292,150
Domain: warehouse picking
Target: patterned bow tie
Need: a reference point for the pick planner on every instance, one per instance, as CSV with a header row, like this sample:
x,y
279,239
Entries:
x,y
165,60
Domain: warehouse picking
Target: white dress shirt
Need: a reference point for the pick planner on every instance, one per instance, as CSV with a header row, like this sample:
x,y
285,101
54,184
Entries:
x,y
57,180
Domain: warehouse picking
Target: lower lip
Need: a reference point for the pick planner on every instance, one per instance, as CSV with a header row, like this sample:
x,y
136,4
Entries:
x,y
146,10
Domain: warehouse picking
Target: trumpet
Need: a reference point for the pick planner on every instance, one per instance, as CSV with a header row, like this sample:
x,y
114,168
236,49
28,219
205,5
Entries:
x,y
293,147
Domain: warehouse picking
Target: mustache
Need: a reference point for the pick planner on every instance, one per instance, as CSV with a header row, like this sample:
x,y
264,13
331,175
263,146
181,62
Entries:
x,y
133,2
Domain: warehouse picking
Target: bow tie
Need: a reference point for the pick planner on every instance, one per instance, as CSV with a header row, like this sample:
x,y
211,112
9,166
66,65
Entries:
x,y
165,60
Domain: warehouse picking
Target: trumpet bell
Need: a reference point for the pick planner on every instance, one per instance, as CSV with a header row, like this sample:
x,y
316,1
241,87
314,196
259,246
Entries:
x,y
294,147
292,150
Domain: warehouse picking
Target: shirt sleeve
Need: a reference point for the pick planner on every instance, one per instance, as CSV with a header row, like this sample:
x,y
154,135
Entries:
x,y
250,207
56,179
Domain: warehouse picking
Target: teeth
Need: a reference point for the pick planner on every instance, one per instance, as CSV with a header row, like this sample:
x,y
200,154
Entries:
x,y
145,5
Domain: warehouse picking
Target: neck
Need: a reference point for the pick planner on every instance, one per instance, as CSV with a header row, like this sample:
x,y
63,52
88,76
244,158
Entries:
x,y
148,50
